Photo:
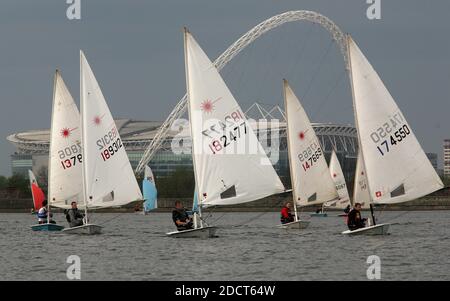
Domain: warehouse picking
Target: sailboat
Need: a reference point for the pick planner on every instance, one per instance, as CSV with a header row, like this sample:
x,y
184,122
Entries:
x,y
311,180
149,190
38,199
230,165
396,166
107,177
65,153
36,192
341,186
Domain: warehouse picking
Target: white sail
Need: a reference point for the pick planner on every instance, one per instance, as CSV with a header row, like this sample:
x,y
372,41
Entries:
x,y
339,181
361,187
65,155
107,174
149,190
230,164
397,167
310,176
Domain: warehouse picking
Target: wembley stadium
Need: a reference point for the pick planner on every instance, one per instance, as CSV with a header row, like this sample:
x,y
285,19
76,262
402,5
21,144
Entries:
x,y
174,153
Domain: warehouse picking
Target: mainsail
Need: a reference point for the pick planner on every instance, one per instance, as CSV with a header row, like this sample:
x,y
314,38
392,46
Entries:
x,y
230,164
339,181
361,187
149,190
36,192
108,179
310,176
396,165
65,155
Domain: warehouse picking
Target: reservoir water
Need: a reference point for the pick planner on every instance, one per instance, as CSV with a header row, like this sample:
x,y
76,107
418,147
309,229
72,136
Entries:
x,y
248,247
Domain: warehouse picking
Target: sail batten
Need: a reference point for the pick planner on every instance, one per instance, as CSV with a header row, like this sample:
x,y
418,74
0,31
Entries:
x,y
396,166
230,165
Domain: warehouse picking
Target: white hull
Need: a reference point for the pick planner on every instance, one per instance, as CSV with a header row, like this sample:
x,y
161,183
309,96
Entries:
x,y
296,225
381,229
88,229
203,233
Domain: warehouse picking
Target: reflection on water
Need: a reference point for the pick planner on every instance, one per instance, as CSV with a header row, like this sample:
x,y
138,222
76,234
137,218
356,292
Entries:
x,y
134,247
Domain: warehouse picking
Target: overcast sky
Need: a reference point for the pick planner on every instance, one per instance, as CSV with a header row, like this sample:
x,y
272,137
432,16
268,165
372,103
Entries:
x,y
135,48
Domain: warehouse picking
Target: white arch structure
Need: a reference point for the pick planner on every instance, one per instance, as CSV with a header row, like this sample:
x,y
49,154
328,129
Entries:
x,y
232,51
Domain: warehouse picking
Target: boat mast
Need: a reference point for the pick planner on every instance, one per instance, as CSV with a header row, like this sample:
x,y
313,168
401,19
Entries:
x,y
350,74
83,169
186,68
294,195
49,175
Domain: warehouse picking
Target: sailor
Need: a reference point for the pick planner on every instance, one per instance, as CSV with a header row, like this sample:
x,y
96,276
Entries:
x,y
181,218
347,209
286,215
42,214
74,216
354,219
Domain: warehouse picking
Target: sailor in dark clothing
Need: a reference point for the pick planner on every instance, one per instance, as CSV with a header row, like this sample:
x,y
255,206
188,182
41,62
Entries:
x,y
74,216
286,215
181,218
354,219
347,209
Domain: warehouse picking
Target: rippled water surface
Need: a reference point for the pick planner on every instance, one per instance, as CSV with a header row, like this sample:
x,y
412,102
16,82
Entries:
x,y
249,247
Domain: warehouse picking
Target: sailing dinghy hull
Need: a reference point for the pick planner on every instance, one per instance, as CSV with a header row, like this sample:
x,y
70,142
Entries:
x,y
89,229
300,224
381,229
47,227
203,233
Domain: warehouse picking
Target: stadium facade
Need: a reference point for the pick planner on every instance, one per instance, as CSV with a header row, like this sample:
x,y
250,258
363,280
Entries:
x,y
32,146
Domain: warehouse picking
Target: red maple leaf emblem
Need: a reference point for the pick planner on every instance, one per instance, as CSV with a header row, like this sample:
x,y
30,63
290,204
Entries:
x,y
378,194
301,135
334,175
